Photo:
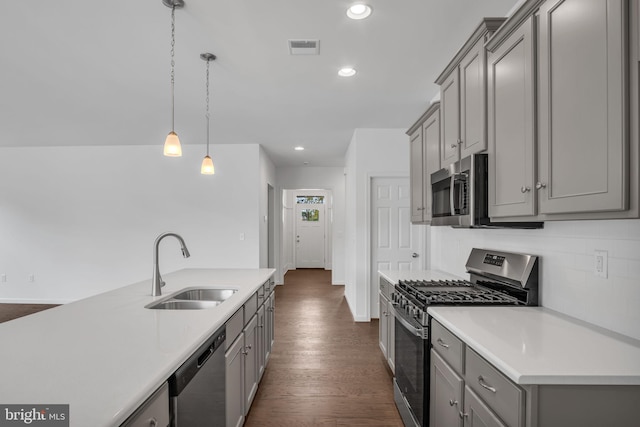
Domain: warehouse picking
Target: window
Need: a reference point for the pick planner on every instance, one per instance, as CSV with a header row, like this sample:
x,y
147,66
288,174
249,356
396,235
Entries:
x,y
310,214
310,200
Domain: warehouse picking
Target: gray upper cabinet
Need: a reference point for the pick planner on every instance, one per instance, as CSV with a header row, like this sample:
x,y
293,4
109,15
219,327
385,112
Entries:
x,y
561,109
415,174
582,106
424,140
463,97
511,125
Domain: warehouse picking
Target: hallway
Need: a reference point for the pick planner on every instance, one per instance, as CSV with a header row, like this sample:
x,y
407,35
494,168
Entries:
x,y
325,369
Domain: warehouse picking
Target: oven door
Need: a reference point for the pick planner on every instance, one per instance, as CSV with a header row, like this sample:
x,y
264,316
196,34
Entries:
x,y
412,352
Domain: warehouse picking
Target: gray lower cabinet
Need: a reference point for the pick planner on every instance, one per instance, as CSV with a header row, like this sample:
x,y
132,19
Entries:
x,y
477,413
153,412
235,382
250,362
446,391
479,394
558,112
386,325
248,349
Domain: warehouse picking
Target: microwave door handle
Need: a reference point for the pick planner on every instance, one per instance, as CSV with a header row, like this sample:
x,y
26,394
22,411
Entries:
x,y
452,194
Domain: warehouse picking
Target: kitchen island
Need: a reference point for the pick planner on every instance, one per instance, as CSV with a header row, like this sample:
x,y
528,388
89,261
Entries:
x,y
105,355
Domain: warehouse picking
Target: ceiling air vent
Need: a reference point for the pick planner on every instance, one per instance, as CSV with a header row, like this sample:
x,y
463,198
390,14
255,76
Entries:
x,y
304,47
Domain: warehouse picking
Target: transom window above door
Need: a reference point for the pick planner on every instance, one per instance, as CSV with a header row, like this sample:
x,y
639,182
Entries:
x,y
309,200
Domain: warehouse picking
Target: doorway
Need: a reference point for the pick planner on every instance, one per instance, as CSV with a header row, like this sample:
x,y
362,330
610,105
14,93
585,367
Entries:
x,y
310,231
395,242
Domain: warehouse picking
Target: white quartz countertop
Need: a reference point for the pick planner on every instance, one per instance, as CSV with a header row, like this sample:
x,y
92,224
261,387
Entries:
x,y
535,345
394,276
106,354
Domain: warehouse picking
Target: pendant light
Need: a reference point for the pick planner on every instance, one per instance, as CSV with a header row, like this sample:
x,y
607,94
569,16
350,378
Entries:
x,y
207,164
172,146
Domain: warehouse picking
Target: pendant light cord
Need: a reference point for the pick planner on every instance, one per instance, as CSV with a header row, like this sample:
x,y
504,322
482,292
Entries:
x,y
207,114
173,63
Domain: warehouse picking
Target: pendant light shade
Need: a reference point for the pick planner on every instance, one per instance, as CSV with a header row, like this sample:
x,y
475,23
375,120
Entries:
x,y
207,164
172,146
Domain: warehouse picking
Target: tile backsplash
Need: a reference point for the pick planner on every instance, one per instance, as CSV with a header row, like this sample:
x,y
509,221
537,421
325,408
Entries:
x,y
568,282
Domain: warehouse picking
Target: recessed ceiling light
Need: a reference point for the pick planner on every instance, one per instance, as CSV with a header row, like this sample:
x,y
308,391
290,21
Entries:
x,y
359,11
298,148
347,72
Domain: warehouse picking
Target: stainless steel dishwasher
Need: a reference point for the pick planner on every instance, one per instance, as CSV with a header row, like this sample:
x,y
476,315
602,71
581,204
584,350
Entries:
x,y
197,388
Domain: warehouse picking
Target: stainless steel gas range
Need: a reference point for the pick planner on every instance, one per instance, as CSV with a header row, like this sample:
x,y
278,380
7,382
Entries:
x,y
496,278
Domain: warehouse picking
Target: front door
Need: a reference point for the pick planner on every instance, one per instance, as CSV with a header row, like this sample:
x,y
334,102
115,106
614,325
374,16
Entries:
x,y
395,242
310,232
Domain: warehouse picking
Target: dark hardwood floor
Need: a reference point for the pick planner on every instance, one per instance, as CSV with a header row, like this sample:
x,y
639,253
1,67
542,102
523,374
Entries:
x,y
325,369
13,311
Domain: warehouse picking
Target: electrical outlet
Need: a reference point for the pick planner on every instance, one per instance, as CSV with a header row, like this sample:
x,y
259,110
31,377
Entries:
x,y
241,236
31,277
3,278
601,263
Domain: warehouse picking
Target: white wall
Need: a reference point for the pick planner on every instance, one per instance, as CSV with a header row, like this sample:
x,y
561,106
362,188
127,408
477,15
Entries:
x,y
82,220
308,177
267,178
372,152
567,249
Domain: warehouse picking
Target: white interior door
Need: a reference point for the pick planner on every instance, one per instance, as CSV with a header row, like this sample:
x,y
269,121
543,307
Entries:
x,y
310,235
395,242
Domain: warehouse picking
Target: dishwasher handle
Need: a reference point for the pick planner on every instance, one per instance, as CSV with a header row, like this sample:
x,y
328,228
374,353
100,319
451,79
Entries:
x,y
189,369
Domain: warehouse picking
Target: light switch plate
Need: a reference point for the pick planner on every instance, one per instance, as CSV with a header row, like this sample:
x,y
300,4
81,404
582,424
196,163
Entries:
x,y
601,263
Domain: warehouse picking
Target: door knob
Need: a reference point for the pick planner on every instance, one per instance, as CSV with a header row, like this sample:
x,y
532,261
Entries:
x,y
414,255
540,185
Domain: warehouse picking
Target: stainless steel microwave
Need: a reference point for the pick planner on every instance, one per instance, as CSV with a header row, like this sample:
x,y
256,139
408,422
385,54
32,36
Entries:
x,y
460,196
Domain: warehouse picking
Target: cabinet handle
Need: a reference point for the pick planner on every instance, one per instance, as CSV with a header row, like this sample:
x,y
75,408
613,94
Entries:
x,y
462,415
485,385
442,343
459,141
524,189
540,185
453,402
153,422
454,146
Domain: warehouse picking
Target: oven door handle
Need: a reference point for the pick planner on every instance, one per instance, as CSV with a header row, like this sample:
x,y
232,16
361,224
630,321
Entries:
x,y
416,330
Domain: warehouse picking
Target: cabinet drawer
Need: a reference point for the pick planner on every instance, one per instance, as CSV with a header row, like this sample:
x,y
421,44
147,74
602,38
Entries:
x,y
448,346
262,292
234,326
156,408
504,397
386,288
251,305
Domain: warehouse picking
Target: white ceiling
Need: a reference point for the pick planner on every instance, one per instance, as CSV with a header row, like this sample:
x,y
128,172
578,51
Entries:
x,y
88,72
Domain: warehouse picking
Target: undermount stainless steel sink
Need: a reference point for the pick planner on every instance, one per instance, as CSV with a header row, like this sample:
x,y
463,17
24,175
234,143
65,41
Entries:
x,y
193,299
203,294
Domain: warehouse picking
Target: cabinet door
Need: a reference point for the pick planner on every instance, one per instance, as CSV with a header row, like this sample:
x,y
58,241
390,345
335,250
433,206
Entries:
x,y
450,120
261,335
477,414
431,159
269,315
391,340
510,95
415,173
582,106
235,383
446,394
250,362
383,327
473,132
